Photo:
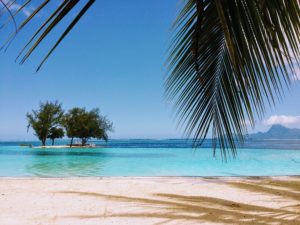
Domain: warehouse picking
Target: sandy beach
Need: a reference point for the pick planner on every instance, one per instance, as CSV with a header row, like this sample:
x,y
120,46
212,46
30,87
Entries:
x,y
167,200
62,146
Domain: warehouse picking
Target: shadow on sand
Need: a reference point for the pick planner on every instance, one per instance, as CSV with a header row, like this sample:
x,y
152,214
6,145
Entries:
x,y
181,209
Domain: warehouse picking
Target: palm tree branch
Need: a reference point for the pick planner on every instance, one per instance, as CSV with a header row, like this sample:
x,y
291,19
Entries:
x,y
227,60
45,29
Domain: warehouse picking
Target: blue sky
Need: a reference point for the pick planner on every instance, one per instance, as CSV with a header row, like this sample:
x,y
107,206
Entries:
x,y
115,60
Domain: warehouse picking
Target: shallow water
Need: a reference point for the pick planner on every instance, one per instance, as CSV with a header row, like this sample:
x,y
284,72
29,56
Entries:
x,y
18,161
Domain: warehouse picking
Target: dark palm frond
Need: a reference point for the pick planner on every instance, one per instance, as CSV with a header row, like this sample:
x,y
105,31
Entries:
x,y
227,59
51,22
14,14
6,9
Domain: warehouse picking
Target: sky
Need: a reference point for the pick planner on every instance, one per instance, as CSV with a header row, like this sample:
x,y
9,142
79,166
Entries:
x,y
114,59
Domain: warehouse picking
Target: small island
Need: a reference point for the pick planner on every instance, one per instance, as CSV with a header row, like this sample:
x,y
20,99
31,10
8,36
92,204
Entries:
x,y
51,122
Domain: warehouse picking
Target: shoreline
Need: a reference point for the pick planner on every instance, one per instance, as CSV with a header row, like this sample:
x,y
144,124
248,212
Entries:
x,y
150,200
144,177
61,146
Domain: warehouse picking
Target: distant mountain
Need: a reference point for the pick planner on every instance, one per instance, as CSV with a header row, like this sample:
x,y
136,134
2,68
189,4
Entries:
x,y
277,132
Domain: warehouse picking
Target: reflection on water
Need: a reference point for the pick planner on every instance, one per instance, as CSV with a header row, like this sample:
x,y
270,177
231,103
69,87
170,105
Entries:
x,y
84,162
86,153
65,166
23,161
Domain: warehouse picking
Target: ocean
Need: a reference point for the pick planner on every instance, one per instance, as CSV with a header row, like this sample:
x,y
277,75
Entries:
x,y
146,157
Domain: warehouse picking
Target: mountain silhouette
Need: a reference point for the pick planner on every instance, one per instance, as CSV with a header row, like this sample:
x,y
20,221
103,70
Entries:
x,y
277,132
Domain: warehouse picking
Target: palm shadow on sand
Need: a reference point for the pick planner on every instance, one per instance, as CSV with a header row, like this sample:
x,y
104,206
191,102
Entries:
x,y
196,209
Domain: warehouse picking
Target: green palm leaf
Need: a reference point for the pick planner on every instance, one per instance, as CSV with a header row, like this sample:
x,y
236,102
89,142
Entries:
x,y
49,24
227,59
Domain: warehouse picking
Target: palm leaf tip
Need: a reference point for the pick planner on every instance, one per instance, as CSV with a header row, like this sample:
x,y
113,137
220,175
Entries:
x,y
56,16
227,60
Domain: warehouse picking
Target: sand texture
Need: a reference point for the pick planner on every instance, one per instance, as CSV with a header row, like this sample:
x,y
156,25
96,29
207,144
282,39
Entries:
x,y
142,201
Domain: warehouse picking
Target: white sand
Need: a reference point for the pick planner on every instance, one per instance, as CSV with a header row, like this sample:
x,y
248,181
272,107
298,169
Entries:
x,y
63,146
52,146
143,201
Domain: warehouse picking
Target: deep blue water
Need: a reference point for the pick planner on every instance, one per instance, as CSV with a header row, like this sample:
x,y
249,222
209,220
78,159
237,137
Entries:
x,y
172,143
174,157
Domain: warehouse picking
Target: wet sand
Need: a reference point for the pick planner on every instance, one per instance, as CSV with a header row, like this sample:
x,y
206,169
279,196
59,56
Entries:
x,y
142,201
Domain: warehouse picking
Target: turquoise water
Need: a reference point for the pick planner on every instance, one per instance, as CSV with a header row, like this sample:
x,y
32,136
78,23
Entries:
x,y
18,161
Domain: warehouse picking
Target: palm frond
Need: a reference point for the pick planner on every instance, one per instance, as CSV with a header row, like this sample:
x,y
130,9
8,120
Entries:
x,y
54,19
227,59
6,9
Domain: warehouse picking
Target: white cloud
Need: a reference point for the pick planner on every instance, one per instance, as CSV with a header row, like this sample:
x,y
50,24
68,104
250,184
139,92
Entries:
x,y
26,11
15,6
296,76
247,122
288,121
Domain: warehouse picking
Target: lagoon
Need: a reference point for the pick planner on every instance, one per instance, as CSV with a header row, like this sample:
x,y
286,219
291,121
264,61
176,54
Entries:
x,y
147,158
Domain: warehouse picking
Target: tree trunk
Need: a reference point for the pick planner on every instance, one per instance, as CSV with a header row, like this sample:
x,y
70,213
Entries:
x,y
43,142
83,141
71,144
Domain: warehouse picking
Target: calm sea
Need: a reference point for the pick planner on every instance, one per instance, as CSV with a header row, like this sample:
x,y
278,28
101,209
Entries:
x,y
136,157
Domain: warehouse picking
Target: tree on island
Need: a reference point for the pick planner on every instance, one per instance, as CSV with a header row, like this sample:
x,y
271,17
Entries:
x,y
41,121
85,125
71,121
55,132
